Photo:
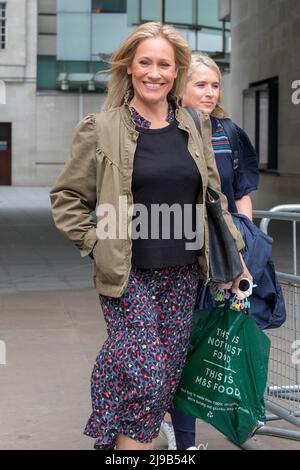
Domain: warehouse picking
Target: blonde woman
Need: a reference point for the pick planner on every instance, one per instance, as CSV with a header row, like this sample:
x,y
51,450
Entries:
x,y
142,152
203,92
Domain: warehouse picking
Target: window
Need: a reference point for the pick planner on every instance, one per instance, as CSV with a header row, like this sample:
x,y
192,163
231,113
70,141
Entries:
x,y
109,6
48,70
2,24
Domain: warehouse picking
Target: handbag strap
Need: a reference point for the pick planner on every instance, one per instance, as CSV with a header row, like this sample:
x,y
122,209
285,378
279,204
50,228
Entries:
x,y
195,117
233,137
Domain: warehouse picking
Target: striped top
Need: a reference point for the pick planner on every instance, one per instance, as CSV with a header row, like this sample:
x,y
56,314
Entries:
x,y
220,141
246,179
223,156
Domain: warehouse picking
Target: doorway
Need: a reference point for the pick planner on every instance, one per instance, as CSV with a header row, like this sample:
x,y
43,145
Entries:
x,y
260,121
5,153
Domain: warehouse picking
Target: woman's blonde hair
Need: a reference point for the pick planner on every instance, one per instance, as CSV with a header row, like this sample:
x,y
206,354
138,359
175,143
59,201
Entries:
x,y
203,59
120,81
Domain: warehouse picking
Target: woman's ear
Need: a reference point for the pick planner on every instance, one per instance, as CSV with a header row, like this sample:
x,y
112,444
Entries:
x,y
129,71
176,71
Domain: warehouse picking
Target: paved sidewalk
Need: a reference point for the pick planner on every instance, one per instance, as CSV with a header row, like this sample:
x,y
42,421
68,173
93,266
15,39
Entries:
x,y
52,339
34,255
52,327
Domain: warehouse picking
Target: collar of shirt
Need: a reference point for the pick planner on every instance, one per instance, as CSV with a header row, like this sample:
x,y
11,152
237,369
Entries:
x,y
140,121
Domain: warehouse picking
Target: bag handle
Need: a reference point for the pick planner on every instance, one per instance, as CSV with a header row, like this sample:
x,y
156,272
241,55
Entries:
x,y
227,299
195,117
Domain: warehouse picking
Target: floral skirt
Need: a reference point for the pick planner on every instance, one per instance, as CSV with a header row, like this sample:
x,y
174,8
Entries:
x,y
137,370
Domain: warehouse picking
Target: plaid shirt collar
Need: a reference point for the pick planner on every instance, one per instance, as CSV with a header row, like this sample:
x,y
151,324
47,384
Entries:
x,y
140,121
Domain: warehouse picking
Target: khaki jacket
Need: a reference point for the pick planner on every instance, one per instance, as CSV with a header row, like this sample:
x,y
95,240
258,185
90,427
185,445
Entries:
x,y
100,171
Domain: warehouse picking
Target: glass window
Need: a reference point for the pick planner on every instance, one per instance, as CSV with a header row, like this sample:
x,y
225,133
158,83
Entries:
x,y
98,66
208,13
74,6
46,72
109,6
228,42
133,12
103,42
73,66
70,44
2,25
210,40
151,11
177,11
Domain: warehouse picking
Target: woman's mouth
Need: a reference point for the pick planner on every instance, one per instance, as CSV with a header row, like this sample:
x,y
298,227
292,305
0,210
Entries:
x,y
152,86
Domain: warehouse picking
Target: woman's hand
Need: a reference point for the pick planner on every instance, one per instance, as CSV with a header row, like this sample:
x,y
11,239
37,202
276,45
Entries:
x,y
245,274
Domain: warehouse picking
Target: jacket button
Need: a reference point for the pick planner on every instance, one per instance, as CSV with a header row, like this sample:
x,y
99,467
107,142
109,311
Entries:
x,y
197,154
187,126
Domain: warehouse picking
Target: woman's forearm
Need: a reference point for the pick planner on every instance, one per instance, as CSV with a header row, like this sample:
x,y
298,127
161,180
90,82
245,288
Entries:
x,y
244,206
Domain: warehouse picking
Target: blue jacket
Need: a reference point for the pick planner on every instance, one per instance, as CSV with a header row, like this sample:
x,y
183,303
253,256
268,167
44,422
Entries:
x,y
267,301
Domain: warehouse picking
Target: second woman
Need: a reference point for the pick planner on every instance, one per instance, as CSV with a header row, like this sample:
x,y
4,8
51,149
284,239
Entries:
x,y
237,165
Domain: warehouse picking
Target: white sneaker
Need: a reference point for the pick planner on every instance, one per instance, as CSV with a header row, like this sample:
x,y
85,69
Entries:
x,y
192,448
167,432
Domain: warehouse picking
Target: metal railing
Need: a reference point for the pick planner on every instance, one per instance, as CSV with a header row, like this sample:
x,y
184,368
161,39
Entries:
x,y
282,398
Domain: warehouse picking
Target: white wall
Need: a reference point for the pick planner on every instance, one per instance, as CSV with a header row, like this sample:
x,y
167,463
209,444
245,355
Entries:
x,y
56,118
18,69
42,129
20,111
17,61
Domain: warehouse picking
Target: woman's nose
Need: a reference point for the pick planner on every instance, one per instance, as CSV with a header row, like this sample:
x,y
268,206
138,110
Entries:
x,y
154,72
209,90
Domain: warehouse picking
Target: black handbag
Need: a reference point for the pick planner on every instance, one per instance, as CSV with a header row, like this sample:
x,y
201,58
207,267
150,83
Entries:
x,y
224,259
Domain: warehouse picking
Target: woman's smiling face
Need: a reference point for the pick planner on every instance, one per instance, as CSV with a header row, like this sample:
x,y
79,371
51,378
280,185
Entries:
x,y
153,70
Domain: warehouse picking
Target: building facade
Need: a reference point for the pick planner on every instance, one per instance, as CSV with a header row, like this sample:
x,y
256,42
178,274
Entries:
x,y
53,57
50,54
262,90
53,54
265,75
18,52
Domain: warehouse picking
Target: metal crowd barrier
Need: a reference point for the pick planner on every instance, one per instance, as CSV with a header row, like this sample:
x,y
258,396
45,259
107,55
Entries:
x,y
282,398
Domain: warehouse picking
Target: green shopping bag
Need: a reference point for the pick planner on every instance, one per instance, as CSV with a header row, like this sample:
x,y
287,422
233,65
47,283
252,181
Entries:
x,y
225,375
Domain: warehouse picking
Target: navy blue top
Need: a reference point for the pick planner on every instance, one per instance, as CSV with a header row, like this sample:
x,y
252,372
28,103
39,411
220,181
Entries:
x,y
247,176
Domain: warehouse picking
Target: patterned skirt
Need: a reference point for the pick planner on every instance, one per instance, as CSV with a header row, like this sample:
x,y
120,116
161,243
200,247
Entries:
x,y
137,370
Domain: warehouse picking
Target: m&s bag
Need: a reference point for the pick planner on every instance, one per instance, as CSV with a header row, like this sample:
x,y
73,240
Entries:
x,y
225,375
